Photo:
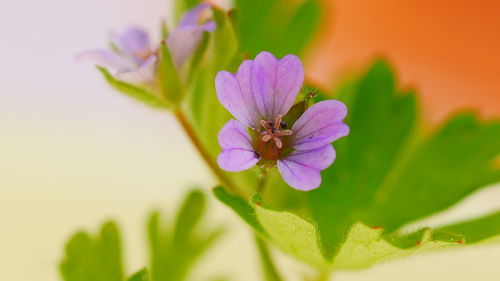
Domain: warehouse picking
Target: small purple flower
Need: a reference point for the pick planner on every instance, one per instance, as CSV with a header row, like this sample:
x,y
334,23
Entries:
x,y
133,58
259,96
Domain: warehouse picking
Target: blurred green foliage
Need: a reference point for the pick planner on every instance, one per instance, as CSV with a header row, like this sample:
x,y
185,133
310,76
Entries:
x,y
96,258
141,94
277,26
174,248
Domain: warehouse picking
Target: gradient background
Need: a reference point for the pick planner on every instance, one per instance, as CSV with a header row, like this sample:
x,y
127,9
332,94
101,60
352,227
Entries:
x,y
73,152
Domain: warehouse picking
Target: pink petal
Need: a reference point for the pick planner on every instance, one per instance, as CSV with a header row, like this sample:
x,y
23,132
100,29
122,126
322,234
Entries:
x,y
192,16
237,152
182,42
276,83
320,125
105,58
301,169
235,94
134,41
144,74
289,80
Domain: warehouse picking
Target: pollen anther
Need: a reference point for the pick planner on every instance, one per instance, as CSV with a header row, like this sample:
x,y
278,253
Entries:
x,y
272,131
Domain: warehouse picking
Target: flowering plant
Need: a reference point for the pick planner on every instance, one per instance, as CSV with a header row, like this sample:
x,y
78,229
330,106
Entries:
x,y
275,160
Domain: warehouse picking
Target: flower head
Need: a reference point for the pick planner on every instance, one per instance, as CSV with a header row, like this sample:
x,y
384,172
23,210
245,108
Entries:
x,y
133,58
259,96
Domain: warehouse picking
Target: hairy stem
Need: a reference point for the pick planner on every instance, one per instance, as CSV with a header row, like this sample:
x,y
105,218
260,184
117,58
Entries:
x,y
190,132
268,267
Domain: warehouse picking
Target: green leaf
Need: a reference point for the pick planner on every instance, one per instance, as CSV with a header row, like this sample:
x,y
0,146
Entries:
x,y
225,44
169,81
134,91
240,206
190,213
141,275
221,53
159,248
94,258
381,121
365,246
293,25
292,234
388,173
447,166
182,6
176,248
476,230
269,269
362,247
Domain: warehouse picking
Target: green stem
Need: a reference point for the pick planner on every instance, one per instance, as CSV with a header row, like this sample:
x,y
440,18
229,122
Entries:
x,y
190,132
262,180
270,271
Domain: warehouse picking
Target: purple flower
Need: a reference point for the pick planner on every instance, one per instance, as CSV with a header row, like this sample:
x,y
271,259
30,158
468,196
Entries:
x,y
259,96
134,60
184,39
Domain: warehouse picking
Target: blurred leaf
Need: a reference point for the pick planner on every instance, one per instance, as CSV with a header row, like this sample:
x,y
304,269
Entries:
x,y
182,6
159,248
445,167
141,275
133,91
190,213
198,56
225,44
203,102
175,249
169,81
269,269
278,26
94,259
221,53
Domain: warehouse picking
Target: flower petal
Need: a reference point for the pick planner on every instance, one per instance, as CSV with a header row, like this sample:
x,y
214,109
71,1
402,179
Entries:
x,y
289,80
301,169
135,42
320,125
105,58
276,83
192,17
182,42
237,152
144,74
209,26
234,92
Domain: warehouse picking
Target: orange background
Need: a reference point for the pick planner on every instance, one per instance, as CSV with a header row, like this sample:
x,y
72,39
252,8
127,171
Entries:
x,y
448,50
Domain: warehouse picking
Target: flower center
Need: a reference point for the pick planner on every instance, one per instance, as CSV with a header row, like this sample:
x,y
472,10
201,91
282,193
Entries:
x,y
269,144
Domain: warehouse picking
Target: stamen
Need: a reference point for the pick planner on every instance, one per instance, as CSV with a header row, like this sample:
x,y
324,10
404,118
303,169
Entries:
x,y
277,122
286,133
278,142
263,124
271,131
266,138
